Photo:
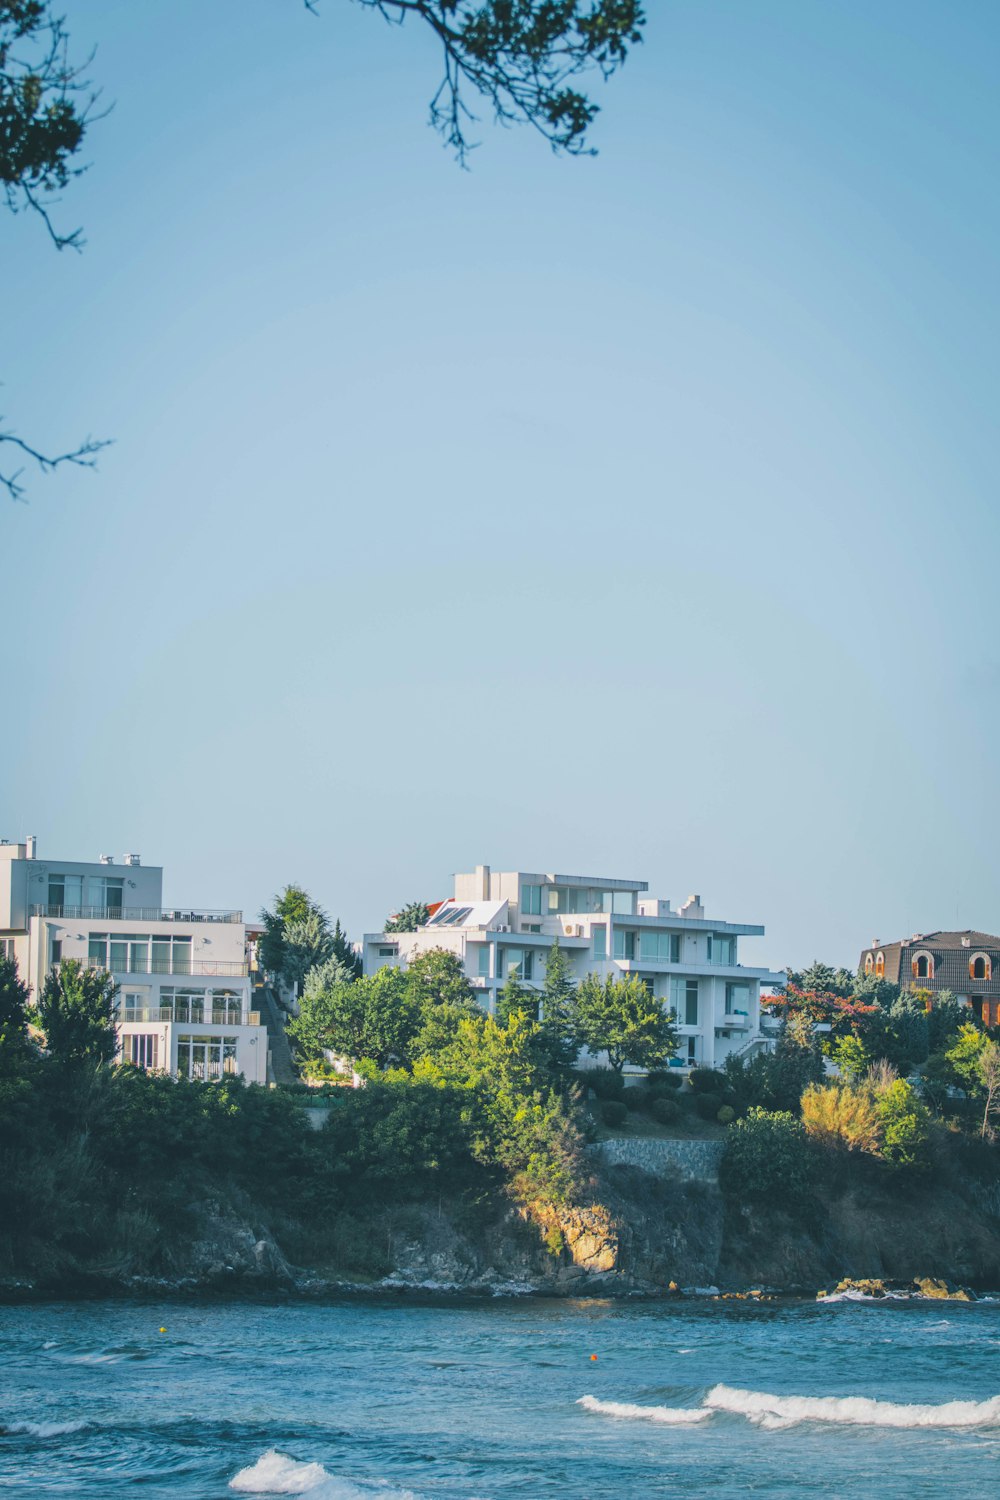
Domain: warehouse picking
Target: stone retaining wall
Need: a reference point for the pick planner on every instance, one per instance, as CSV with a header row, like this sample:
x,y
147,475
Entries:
x,y
694,1161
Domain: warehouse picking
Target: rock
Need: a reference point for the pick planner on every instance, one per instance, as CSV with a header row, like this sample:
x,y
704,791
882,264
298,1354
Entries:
x,y
929,1286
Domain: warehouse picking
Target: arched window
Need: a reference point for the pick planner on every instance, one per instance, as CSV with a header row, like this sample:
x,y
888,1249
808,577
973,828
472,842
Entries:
x,y
880,966
869,963
923,966
980,966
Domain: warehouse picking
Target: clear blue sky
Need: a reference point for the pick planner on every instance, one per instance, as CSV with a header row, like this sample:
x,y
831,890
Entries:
x,y
633,515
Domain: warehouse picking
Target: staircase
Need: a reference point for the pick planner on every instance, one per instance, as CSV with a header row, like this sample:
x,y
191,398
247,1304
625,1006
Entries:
x,y
280,1068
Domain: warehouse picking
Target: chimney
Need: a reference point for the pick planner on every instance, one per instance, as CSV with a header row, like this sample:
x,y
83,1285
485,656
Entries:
x,y
131,859
107,859
483,882
30,843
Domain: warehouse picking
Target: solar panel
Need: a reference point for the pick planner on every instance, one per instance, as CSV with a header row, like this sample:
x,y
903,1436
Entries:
x,y
449,916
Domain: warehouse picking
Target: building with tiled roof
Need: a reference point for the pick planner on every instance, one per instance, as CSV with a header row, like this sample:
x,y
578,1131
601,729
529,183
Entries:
x,y
967,963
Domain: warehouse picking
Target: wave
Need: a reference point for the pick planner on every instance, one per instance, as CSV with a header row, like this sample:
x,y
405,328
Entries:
x,y
857,1411
40,1429
670,1415
274,1474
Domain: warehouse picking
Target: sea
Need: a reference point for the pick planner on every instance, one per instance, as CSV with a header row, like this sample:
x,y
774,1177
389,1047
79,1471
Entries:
x,y
420,1397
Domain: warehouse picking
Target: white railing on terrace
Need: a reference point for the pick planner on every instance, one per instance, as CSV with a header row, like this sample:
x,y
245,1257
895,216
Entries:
x,y
179,966
136,913
189,1015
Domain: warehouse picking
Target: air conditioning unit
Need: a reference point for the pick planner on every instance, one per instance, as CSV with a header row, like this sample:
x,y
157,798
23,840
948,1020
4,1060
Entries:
x,y
503,928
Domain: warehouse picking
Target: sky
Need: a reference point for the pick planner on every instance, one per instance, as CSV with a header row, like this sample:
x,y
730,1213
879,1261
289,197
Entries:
x,y
631,515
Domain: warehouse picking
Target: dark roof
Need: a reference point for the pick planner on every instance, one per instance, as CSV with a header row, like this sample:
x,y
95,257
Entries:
x,y
951,952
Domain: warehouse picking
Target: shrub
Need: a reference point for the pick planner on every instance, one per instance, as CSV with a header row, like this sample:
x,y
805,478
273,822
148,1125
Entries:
x,y
637,1099
726,1115
665,1111
905,1126
614,1112
707,1081
606,1083
708,1105
838,1115
766,1158
663,1079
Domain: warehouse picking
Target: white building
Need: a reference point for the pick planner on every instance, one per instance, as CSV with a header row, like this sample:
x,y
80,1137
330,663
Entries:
x,y
183,975
496,922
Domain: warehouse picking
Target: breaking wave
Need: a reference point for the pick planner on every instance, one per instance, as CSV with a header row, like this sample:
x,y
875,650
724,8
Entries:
x,y
670,1415
855,1411
40,1429
274,1474
775,1412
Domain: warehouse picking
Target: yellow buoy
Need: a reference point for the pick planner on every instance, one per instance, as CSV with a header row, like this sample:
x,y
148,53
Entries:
x,y
163,1330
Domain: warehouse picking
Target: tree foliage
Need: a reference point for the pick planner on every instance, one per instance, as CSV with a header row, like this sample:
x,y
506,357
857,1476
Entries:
x,y
412,916
77,1012
622,1018
766,1158
373,1017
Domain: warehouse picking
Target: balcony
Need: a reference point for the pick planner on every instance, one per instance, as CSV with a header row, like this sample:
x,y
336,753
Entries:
x,y
192,1015
135,914
737,1020
178,967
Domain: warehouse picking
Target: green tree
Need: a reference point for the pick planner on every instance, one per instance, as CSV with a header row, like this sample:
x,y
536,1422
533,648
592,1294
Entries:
x,y
989,1077
411,917
767,1158
13,1017
515,997
293,905
824,980
963,1058
77,1013
905,1126
558,1007
373,1017
852,1057
307,943
622,1018
325,975
342,948
438,978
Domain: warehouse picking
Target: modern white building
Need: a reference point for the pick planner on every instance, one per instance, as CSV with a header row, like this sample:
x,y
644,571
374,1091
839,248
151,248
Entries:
x,y
183,976
497,922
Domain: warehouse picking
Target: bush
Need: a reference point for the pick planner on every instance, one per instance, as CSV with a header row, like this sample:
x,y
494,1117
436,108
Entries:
x,y
606,1083
665,1111
707,1081
766,1158
637,1099
708,1105
838,1115
663,1079
614,1112
726,1115
905,1126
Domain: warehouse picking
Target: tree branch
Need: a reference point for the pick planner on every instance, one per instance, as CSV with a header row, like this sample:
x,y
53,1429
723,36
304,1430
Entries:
x,y
83,457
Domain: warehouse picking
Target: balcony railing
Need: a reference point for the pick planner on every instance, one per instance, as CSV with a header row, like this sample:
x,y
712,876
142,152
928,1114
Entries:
x,y
178,967
736,1019
195,1016
135,914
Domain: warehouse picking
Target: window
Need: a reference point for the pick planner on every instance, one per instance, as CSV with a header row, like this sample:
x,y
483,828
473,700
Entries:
x,y
880,966
141,1050
180,1005
532,926
484,962
980,967
869,963
737,1000
106,892
589,900
692,1045
139,953
56,951
521,959
388,952
531,900
66,892
6,948
624,943
721,950
923,966
660,947
599,934
207,1057
684,1000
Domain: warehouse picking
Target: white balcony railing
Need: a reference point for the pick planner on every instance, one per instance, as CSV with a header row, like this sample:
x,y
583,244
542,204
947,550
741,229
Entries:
x,y
136,913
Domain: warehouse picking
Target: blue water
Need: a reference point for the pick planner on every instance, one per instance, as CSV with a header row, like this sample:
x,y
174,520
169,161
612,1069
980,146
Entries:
x,y
356,1399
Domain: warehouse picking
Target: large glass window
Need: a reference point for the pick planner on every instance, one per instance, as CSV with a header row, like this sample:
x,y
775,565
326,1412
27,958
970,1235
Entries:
x,y
183,1005
737,999
531,900
66,891
205,1057
660,947
106,892
721,950
139,953
521,959
624,943
484,962
589,900
600,940
684,1000
141,1050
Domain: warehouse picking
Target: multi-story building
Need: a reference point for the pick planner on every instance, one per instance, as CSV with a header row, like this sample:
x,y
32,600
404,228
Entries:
x,y
966,963
184,991
500,922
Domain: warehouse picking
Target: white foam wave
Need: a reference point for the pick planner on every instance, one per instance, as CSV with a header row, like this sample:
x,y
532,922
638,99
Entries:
x,y
41,1429
670,1415
858,1411
274,1474
851,1295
